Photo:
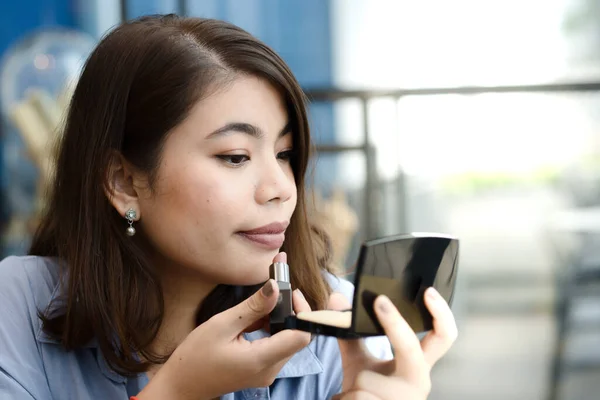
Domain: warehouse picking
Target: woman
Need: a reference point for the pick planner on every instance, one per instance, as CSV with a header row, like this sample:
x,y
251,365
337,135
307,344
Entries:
x,y
179,180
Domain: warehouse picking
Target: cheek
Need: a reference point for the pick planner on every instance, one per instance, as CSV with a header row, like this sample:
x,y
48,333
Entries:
x,y
206,199
295,186
187,214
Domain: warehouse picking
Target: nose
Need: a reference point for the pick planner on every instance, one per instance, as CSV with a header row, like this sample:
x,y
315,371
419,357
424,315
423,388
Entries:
x,y
276,183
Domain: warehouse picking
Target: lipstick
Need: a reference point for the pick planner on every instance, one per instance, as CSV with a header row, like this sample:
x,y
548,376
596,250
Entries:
x,y
280,272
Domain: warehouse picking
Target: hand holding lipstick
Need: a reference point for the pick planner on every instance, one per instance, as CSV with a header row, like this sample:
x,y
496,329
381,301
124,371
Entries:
x,y
216,359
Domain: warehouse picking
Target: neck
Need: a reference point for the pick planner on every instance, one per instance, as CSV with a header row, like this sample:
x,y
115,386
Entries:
x,y
183,292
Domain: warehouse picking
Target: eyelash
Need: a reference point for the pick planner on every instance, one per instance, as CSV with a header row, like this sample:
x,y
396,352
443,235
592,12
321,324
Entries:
x,y
287,155
243,158
228,159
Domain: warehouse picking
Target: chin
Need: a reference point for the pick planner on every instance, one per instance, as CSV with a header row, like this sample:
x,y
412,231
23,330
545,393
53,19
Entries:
x,y
249,278
245,281
244,269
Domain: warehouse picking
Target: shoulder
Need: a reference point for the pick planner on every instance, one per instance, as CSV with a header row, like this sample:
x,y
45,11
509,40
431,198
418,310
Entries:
x,y
26,286
340,285
33,365
28,282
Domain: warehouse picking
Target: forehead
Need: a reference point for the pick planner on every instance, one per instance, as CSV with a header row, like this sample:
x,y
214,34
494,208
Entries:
x,y
246,99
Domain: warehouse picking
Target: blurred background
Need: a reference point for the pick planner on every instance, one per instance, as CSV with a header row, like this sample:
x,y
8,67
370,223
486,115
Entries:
x,y
478,118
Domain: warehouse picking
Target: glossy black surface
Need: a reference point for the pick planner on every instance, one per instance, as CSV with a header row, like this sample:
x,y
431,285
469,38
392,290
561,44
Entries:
x,y
401,267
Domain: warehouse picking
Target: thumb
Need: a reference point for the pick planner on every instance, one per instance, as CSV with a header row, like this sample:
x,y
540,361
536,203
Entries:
x,y
260,304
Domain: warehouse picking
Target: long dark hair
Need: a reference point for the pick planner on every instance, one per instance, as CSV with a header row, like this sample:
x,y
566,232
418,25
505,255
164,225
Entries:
x,y
139,83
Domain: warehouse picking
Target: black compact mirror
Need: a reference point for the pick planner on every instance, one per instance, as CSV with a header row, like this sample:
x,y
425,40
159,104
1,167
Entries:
x,y
402,267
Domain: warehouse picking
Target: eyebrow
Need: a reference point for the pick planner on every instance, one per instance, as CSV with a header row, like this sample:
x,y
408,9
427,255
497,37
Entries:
x,y
248,129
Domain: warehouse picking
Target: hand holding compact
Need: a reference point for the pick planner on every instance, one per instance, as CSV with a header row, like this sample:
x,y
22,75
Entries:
x,y
407,376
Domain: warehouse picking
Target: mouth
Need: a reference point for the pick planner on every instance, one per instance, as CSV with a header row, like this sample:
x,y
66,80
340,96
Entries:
x,y
270,237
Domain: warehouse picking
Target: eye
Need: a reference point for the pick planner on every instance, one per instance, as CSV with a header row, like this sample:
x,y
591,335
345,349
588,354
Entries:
x,y
234,159
286,155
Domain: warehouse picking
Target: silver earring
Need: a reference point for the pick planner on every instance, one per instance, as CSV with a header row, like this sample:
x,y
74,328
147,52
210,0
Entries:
x,y
130,215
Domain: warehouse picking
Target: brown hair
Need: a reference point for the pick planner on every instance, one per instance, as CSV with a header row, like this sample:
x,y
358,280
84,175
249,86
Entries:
x,y
138,84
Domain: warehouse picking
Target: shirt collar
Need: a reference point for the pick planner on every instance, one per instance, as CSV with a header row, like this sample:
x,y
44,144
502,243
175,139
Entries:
x,y
56,305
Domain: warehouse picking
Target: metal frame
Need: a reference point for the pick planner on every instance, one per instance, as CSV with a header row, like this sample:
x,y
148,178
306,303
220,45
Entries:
x,y
371,195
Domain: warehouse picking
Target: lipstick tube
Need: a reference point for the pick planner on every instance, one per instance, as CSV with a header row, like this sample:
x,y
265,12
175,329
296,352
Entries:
x,y
280,272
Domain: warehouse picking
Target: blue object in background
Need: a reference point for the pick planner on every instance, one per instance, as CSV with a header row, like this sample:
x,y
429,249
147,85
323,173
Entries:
x,y
136,8
23,16
19,18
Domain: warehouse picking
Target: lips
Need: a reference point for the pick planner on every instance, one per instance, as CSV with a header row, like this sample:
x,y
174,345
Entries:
x,y
269,236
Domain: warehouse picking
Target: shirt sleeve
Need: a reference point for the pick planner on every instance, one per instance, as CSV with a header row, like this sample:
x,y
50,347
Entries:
x,y
22,373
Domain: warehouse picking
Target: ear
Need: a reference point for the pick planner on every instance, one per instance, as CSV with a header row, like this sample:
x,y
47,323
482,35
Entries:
x,y
122,186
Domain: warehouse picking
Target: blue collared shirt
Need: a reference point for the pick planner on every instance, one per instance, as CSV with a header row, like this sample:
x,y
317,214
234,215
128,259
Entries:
x,y
34,366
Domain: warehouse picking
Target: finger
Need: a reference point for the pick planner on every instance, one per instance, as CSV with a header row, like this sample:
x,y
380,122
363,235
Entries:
x,y
299,302
263,323
281,346
408,356
300,305
237,319
437,342
385,387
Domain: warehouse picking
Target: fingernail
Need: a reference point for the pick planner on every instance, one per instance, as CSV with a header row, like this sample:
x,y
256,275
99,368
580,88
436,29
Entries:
x,y
300,293
384,304
433,294
267,289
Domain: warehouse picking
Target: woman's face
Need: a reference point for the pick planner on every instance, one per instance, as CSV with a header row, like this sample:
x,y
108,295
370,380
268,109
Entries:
x,y
225,190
